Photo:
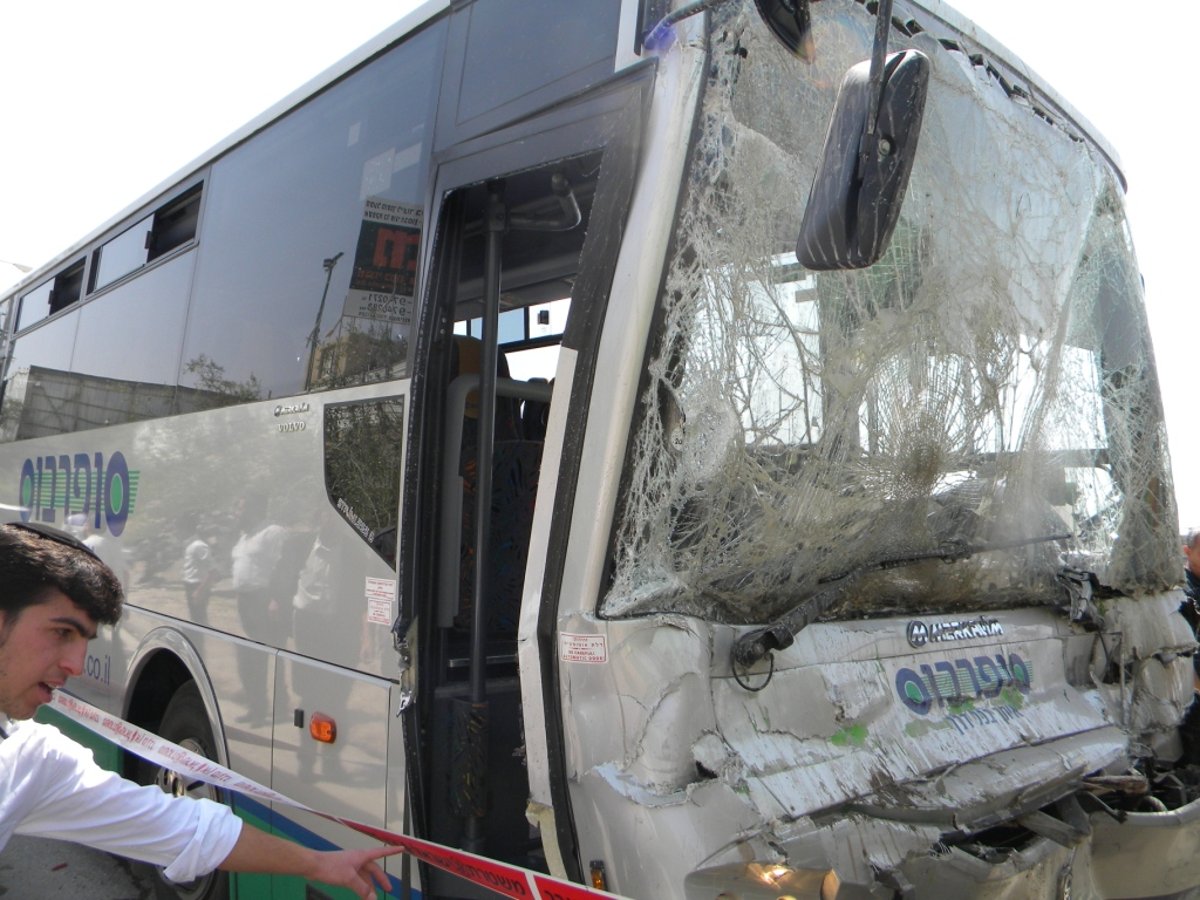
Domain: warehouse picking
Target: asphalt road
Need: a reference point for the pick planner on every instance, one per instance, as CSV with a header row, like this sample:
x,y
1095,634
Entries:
x,y
42,869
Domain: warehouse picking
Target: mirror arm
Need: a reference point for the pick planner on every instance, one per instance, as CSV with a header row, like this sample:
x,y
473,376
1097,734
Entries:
x,y
870,148
662,35
875,79
883,21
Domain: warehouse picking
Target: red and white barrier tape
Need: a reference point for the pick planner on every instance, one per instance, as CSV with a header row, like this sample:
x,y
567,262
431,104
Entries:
x,y
511,881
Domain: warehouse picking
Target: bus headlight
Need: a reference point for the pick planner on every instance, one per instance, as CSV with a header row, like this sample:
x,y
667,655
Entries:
x,y
762,881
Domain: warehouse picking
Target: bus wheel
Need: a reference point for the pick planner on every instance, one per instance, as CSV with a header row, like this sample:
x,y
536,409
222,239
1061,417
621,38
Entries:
x,y
185,722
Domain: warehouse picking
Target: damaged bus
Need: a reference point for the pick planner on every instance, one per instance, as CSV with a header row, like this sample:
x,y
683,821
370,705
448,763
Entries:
x,y
703,450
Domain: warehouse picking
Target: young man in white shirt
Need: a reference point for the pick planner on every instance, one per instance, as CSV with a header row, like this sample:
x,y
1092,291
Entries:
x,y
54,593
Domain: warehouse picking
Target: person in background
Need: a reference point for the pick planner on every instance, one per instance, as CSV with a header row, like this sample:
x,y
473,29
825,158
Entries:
x,y
199,572
1189,728
1191,572
54,594
105,547
254,559
1190,607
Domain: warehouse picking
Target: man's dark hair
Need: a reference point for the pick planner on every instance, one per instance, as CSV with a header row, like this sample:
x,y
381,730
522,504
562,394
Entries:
x,y
35,560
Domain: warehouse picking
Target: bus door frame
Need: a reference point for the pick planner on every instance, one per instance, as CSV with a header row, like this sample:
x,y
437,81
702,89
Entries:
x,y
608,119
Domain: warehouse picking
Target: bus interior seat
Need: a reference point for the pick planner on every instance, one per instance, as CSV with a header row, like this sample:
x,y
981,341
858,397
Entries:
x,y
515,468
534,414
516,462
466,358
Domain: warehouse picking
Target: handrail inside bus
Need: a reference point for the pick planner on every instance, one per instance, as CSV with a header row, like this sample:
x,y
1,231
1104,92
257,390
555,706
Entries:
x,y
449,557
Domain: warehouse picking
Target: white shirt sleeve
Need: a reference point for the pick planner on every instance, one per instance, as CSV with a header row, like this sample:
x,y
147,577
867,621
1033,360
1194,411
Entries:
x,y
51,786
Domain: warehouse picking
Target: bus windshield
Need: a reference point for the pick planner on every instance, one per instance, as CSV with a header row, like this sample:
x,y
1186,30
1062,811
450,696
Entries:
x,y
987,387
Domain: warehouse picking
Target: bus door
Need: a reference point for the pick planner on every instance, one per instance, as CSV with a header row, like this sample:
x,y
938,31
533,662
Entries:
x,y
499,355
509,258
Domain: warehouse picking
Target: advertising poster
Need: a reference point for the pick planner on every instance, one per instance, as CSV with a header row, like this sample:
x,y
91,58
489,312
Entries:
x,y
385,262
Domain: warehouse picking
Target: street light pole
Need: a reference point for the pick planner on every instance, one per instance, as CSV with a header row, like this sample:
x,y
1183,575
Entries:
x,y
314,337
16,265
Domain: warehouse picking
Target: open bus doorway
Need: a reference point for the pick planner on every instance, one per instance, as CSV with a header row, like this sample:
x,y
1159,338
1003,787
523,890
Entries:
x,y
475,781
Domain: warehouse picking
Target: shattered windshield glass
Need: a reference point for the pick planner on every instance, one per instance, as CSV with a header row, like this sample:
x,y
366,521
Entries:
x,y
988,382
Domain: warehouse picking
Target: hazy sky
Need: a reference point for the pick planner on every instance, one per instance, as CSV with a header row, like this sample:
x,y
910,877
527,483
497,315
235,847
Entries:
x,y
102,102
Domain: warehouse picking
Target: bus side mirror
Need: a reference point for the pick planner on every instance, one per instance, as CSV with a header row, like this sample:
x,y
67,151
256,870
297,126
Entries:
x,y
859,186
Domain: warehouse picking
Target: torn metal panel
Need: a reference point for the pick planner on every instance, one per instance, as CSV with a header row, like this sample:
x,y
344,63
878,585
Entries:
x,y
1158,848
955,736
920,716
1041,869
1141,665
645,704
621,830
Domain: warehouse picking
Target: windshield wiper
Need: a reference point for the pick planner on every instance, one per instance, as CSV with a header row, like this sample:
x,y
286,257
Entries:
x,y
756,645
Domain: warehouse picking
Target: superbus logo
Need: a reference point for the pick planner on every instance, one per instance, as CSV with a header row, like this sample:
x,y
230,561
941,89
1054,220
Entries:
x,y
957,680
100,490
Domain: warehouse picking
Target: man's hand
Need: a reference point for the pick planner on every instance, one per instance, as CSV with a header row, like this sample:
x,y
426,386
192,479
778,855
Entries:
x,y
353,869
356,870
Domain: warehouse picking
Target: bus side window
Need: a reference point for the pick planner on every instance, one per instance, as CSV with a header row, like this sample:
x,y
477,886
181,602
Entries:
x,y
298,237
46,299
363,442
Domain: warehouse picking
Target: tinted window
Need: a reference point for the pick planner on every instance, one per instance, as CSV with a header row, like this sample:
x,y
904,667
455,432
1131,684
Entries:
x,y
68,287
507,59
123,254
110,361
542,43
35,305
310,235
134,332
38,381
168,227
175,224
362,471
51,296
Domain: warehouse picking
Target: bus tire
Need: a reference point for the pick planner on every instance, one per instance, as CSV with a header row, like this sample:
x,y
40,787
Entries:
x,y
185,722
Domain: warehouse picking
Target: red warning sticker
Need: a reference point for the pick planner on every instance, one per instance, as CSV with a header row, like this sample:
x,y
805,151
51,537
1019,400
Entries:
x,y
583,648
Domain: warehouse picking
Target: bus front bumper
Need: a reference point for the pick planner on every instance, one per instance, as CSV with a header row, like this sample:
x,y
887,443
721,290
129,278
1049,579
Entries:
x,y
1127,855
